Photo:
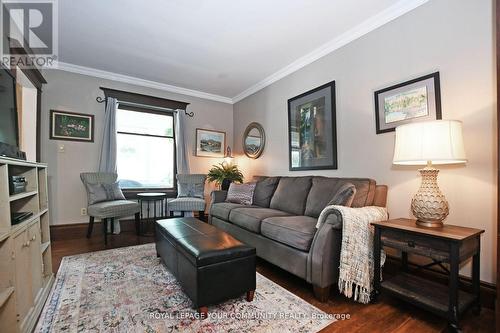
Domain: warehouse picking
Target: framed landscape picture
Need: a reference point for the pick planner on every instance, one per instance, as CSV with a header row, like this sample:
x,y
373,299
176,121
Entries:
x,y
210,143
71,126
312,134
415,100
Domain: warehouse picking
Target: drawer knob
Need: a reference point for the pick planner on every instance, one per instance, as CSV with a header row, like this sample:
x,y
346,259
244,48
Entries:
x,y
411,243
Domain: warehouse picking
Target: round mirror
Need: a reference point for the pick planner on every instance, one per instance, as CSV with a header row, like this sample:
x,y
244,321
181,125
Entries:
x,y
254,140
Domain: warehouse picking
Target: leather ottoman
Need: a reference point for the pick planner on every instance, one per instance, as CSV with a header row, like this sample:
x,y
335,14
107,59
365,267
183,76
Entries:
x,y
210,264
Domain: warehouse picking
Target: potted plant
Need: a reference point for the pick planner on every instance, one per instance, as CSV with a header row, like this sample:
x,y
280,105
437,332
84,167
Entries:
x,y
224,174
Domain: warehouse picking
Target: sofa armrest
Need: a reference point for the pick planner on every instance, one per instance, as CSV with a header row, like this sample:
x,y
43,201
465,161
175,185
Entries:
x,y
324,256
218,196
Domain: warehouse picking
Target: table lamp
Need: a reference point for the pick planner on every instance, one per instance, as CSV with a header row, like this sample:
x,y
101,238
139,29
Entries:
x,y
429,143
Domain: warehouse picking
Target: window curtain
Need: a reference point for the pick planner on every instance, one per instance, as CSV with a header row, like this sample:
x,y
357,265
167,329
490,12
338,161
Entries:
x,y
107,160
181,142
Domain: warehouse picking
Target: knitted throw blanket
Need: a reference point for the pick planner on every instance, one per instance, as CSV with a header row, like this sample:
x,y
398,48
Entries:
x,y
356,254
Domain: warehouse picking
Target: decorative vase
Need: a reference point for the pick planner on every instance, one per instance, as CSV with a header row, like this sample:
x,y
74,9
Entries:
x,y
225,184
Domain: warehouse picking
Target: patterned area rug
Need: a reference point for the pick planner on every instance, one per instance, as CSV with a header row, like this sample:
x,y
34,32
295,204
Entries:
x,y
129,290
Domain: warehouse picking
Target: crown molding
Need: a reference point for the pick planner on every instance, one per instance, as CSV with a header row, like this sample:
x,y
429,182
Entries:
x,y
138,82
400,8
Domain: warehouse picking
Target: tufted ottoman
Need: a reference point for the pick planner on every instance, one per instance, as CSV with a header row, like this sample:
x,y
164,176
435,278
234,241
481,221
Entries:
x,y
210,265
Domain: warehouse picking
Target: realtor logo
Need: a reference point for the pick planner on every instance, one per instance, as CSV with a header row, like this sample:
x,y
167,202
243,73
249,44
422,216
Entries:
x,y
29,27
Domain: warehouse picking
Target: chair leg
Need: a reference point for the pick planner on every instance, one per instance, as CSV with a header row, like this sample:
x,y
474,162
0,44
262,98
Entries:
x,y
112,225
91,226
182,214
105,230
137,222
202,215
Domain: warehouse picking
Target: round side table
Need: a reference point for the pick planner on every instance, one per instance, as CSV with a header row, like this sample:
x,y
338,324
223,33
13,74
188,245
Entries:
x,y
159,203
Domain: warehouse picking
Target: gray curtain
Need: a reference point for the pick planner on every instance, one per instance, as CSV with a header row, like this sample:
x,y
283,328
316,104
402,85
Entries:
x,y
107,160
181,143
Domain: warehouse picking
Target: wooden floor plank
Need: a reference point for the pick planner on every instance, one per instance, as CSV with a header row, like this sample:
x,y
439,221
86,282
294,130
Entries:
x,y
388,315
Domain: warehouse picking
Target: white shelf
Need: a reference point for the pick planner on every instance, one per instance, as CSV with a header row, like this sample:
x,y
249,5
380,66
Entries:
x,y
4,295
21,225
4,235
44,247
22,195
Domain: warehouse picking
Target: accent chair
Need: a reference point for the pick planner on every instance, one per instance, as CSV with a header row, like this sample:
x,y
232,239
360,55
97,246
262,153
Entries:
x,y
107,211
190,198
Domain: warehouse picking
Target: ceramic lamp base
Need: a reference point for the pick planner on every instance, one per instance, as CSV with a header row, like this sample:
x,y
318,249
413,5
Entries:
x,y
429,205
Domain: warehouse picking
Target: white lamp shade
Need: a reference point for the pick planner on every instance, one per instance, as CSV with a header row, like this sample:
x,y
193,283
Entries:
x,y
439,141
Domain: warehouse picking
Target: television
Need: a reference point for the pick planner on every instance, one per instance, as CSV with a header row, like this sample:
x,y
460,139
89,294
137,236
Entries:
x,y
9,131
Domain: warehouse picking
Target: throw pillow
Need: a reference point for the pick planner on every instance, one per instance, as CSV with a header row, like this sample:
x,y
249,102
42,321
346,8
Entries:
x,y
186,190
344,195
99,192
241,193
113,191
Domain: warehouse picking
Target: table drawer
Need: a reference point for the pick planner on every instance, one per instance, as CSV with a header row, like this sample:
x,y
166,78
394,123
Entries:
x,y
411,243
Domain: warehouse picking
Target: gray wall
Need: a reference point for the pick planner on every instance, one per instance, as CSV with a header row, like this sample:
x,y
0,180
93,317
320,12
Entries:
x,y
453,37
74,92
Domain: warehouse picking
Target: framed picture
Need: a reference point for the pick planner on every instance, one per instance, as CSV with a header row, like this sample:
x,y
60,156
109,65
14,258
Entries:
x,y
71,126
210,143
312,134
415,100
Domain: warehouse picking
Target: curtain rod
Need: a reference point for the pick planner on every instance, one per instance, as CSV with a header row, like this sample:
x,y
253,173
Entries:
x,y
99,99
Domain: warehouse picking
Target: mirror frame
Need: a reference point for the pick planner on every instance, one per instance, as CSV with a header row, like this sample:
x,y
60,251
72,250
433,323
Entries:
x,y
259,128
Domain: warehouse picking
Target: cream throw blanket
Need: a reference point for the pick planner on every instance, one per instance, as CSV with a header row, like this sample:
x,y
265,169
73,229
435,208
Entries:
x,y
356,254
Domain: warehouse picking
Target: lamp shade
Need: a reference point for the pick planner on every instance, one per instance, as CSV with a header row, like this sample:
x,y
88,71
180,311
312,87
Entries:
x,y
439,141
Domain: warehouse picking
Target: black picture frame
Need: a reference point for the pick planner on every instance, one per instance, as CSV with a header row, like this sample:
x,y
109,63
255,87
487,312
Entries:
x,y
53,135
329,145
433,95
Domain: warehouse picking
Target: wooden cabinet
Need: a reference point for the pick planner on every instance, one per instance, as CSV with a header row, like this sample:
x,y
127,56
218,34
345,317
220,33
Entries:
x,y
25,263
24,296
35,259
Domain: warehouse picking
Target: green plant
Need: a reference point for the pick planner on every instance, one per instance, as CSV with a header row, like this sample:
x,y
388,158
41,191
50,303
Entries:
x,y
225,171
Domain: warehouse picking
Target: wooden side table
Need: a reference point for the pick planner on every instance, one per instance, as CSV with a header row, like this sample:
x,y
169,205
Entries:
x,y
449,244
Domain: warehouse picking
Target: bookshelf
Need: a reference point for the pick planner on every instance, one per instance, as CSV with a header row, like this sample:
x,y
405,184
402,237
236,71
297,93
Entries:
x,y
26,275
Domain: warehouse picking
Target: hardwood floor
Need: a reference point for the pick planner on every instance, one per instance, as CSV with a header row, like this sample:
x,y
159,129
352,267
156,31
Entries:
x,y
388,315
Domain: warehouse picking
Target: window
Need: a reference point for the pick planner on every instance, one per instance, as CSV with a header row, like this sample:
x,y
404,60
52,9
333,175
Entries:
x,y
145,149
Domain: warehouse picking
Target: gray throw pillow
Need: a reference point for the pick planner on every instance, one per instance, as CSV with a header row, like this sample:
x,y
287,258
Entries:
x,y
344,195
241,193
187,190
99,192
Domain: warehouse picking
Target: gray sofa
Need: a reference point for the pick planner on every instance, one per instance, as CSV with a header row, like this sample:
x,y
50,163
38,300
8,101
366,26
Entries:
x,y
281,223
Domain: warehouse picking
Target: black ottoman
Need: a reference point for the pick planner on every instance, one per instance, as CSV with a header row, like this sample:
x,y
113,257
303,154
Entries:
x,y
210,265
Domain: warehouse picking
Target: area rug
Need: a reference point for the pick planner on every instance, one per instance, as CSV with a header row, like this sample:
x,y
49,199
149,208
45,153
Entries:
x,y
130,290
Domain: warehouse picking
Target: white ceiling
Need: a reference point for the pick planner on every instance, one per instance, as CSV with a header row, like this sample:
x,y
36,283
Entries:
x,y
226,48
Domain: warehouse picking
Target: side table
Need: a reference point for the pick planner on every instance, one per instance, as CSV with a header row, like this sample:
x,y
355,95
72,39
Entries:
x,y
449,244
156,199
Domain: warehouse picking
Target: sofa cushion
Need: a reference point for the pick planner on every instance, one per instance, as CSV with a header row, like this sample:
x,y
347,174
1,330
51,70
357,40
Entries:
x,y
251,218
324,189
222,209
264,190
295,231
291,194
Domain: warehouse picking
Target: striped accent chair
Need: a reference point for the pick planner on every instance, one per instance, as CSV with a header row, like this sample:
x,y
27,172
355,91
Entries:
x,y
107,211
191,189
